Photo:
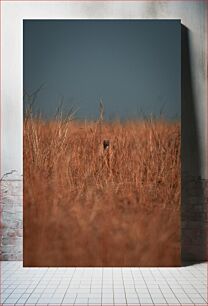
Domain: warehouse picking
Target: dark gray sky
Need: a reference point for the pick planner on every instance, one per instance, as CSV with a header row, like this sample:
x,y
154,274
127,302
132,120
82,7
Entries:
x,y
130,64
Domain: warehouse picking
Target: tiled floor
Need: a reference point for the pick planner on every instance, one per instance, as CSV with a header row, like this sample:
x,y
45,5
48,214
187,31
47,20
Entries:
x,y
106,286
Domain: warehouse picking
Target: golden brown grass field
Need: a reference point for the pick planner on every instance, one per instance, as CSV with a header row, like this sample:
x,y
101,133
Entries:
x,y
86,206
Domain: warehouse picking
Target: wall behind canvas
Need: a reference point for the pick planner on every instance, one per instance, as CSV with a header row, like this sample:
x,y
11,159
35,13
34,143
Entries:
x,y
194,107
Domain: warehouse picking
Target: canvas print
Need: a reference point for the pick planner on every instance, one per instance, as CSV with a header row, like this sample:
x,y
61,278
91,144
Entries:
x,y
102,139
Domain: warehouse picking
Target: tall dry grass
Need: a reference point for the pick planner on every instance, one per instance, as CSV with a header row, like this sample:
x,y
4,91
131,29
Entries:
x,y
85,206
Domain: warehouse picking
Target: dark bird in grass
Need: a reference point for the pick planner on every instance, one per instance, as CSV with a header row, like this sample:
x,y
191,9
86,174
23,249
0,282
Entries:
x,y
106,144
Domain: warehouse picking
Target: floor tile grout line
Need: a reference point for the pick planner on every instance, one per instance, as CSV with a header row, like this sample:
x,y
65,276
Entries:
x,y
167,284
13,289
34,288
113,287
182,288
197,290
36,285
147,287
77,269
135,287
91,282
123,283
169,287
69,285
102,287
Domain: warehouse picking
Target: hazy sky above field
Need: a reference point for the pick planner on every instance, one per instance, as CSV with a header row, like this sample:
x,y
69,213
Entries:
x,y
130,64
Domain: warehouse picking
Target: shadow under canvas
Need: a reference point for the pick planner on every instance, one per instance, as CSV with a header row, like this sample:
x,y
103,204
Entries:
x,y
193,196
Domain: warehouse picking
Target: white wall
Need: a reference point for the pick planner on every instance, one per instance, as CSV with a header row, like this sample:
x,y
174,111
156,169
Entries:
x,y
191,13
